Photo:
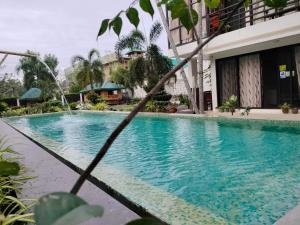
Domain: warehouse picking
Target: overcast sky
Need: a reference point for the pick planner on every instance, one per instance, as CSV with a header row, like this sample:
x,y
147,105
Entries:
x,y
60,27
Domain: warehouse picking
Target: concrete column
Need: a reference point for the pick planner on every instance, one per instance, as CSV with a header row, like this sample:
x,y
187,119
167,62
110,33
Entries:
x,y
18,102
81,98
214,90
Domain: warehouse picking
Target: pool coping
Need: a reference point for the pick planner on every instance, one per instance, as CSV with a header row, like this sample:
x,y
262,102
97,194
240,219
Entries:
x,y
209,115
138,209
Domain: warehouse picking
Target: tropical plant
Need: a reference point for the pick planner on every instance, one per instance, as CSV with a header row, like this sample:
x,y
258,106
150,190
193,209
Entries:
x,y
88,70
101,106
33,70
12,209
93,97
3,107
150,68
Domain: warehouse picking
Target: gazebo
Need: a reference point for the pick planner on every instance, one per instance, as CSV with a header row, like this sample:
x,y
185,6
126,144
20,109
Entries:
x,y
33,94
110,92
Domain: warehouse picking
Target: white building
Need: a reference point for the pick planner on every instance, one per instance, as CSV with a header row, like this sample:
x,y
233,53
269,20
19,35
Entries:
x,y
256,58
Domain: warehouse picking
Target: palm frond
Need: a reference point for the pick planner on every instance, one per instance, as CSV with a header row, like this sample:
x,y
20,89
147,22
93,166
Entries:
x,y
93,53
76,59
155,32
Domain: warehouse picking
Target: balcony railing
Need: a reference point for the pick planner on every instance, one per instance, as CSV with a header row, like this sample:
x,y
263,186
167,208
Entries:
x,y
255,13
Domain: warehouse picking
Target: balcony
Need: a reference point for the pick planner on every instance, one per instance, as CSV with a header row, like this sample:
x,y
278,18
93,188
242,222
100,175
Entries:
x,y
255,13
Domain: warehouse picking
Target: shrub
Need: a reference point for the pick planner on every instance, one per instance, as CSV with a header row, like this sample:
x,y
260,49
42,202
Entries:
x,y
92,97
162,96
3,107
73,106
151,106
184,100
100,106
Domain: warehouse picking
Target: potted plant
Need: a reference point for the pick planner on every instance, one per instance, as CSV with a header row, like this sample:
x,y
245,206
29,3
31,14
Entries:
x,y
232,102
285,108
295,110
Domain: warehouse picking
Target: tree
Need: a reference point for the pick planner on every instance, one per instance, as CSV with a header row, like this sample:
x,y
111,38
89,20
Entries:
x,y
34,71
89,70
121,75
9,87
145,71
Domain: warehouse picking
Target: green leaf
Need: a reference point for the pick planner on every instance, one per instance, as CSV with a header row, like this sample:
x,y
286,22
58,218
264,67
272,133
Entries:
x,y
212,4
176,7
64,208
133,16
276,3
187,21
144,221
9,168
147,7
116,24
80,215
103,27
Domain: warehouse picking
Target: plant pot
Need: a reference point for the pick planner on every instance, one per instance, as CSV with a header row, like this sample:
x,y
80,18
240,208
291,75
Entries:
x,y
214,21
285,110
295,110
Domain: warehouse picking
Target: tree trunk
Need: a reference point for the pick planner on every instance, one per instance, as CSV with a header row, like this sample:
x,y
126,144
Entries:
x,y
91,81
174,49
200,60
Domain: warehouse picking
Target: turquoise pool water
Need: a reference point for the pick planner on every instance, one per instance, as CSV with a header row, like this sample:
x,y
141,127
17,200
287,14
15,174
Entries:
x,y
246,172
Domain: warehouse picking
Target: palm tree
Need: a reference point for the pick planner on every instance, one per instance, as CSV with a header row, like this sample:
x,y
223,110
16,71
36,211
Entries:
x,y
34,70
89,70
154,64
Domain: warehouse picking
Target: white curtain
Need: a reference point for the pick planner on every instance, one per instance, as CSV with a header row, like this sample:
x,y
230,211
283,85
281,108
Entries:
x,y
250,81
297,59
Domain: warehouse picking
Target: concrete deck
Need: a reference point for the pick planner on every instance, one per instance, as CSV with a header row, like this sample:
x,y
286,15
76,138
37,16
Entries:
x,y
52,175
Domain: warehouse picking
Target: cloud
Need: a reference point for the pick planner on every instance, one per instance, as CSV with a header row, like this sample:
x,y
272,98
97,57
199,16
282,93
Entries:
x,y
61,27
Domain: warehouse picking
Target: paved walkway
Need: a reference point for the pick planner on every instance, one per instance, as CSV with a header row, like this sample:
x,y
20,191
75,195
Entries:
x,y
52,175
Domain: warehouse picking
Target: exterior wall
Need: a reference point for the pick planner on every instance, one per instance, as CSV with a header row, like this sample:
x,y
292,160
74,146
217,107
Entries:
x,y
270,34
178,87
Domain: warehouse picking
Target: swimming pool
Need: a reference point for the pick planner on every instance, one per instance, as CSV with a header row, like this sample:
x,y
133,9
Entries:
x,y
185,170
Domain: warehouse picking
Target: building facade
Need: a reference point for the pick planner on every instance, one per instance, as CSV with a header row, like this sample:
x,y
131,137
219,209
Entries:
x,y
256,57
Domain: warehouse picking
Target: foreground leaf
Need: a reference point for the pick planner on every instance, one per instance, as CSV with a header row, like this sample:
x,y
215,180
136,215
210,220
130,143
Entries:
x,y
147,6
64,208
276,3
133,16
9,168
212,4
103,28
116,24
145,221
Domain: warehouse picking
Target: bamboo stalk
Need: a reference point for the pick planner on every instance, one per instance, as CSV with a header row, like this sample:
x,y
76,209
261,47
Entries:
x,y
142,104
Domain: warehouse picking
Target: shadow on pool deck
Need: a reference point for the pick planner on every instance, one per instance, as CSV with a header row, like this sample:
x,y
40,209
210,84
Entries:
x,y
52,175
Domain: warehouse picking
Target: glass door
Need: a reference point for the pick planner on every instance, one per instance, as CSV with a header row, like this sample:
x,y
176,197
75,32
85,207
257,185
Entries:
x,y
279,76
